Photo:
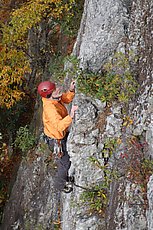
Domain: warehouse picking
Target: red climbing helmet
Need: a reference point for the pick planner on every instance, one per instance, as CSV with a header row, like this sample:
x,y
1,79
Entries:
x,y
45,88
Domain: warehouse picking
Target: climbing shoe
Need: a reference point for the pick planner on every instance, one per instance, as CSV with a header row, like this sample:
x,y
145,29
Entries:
x,y
68,188
69,185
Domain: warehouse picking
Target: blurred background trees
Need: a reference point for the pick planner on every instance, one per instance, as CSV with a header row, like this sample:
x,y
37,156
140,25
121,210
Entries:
x,y
35,37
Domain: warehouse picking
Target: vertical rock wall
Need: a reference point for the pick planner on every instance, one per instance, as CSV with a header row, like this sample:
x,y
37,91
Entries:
x,y
33,203
108,26
103,29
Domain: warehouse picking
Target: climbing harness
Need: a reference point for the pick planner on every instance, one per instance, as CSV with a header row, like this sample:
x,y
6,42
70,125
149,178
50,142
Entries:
x,y
54,145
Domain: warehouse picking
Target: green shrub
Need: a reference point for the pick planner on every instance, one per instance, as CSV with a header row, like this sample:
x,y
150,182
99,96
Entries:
x,y
115,83
96,199
25,140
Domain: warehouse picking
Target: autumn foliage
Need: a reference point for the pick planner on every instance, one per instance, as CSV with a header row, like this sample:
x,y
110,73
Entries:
x,y
14,60
13,66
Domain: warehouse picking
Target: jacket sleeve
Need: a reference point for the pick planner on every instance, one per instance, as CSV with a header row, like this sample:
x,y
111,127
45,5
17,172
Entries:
x,y
57,121
67,97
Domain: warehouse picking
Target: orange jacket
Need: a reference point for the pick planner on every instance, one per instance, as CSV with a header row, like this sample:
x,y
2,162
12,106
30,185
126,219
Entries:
x,y
55,116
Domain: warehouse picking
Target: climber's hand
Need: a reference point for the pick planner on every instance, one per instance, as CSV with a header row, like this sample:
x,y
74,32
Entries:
x,y
74,108
72,86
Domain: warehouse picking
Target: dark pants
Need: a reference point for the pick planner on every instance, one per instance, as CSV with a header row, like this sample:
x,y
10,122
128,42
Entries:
x,y
63,164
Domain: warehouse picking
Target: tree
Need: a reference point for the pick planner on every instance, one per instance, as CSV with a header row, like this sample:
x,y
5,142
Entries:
x,y
14,57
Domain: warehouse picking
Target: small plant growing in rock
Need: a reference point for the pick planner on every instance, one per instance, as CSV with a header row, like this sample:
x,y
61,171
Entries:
x,y
114,83
137,168
96,199
25,140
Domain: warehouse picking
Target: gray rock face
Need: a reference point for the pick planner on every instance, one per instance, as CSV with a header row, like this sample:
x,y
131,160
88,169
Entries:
x,y
150,199
104,26
126,208
142,114
33,201
83,143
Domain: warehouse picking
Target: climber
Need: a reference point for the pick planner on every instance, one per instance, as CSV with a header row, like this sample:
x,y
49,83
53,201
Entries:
x,y
56,121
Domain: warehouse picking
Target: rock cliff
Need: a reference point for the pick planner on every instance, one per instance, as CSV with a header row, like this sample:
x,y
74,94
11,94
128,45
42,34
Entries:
x,y
107,26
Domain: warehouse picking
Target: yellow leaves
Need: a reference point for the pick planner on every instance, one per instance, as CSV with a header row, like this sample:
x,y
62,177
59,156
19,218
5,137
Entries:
x,y
9,97
104,196
12,70
100,193
127,121
13,62
30,15
119,141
